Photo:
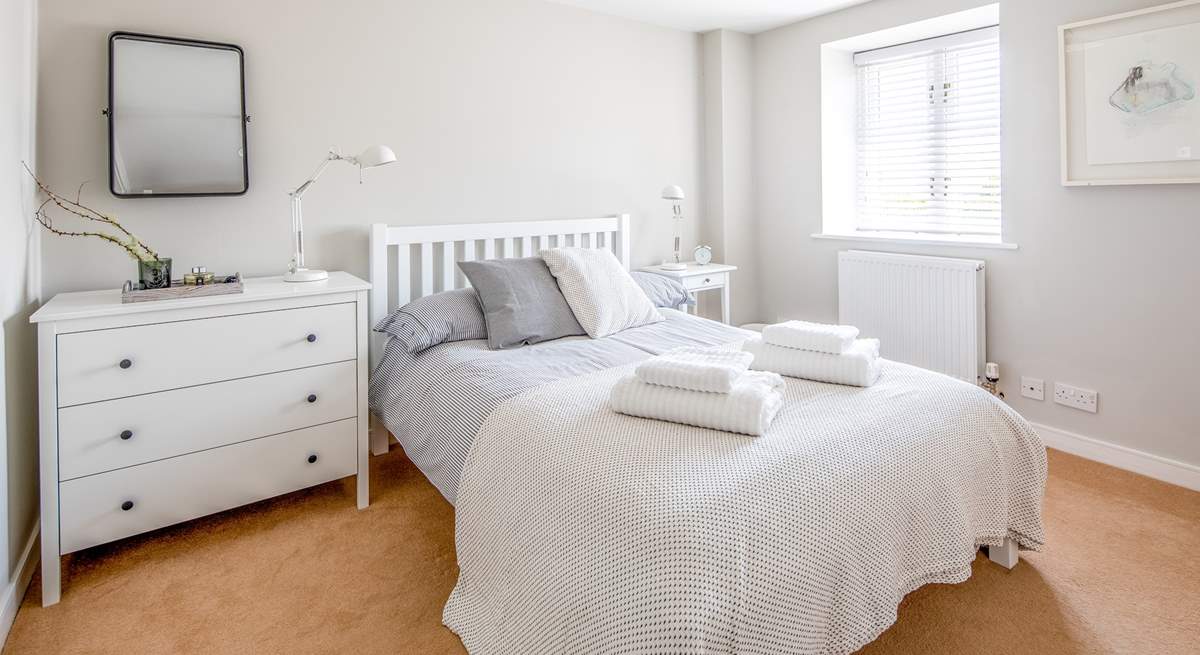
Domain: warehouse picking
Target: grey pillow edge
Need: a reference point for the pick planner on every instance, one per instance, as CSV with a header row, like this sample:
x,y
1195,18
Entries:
x,y
652,284
416,342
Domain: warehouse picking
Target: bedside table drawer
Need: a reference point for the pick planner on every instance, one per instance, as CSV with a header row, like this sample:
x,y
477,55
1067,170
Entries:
x,y
101,508
697,282
113,434
119,362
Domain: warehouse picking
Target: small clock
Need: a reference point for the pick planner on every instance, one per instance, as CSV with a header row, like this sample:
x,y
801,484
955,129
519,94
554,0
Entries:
x,y
703,255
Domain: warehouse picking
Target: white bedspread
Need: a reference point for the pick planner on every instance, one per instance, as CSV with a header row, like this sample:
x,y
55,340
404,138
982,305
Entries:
x,y
580,530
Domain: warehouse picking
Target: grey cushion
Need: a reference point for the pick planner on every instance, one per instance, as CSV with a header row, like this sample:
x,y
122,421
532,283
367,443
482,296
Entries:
x,y
439,318
522,303
663,291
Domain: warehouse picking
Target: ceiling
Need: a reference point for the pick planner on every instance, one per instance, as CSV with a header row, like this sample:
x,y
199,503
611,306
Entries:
x,y
748,16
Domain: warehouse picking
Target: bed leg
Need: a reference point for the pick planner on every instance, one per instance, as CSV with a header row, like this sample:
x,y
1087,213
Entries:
x,y
1005,554
379,437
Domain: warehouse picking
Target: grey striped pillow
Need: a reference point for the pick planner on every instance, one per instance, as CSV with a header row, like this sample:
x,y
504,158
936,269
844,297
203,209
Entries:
x,y
439,318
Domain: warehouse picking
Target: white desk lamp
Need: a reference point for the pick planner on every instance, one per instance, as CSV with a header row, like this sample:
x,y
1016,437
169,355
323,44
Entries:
x,y
369,158
675,195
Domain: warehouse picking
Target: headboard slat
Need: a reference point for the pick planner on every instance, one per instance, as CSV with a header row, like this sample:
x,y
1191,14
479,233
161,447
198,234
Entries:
x,y
447,265
403,275
426,284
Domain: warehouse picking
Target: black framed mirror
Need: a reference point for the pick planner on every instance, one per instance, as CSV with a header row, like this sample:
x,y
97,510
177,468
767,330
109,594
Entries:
x,y
176,117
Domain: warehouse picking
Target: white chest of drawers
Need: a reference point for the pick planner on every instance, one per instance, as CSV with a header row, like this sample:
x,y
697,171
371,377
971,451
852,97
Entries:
x,y
159,412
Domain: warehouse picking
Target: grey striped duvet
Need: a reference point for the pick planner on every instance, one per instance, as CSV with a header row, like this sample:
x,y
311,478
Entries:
x,y
434,402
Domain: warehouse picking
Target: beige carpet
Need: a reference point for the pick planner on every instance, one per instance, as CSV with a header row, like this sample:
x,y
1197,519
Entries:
x,y
308,573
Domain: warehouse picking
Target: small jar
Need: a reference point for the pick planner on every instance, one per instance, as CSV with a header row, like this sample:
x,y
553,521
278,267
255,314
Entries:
x,y
198,277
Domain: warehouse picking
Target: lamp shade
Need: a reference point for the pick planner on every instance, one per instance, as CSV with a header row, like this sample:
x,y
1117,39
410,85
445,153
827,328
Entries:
x,y
375,156
672,192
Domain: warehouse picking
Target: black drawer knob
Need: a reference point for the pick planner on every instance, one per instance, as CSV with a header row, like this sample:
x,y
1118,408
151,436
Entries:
x,y
312,397
312,338
125,363
127,505
126,435
312,459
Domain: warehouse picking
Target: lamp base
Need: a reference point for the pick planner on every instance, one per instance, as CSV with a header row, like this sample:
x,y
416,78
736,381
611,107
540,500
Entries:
x,y
305,275
673,266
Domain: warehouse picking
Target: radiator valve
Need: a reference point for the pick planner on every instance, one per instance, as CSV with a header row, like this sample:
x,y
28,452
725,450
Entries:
x,y
991,380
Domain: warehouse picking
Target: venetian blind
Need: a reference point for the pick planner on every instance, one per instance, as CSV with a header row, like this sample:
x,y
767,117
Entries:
x,y
928,136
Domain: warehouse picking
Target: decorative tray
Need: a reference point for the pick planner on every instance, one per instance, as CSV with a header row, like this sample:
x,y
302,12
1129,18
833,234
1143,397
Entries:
x,y
226,285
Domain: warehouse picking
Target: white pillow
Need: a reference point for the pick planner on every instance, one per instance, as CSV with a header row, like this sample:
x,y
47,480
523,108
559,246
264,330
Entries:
x,y
604,298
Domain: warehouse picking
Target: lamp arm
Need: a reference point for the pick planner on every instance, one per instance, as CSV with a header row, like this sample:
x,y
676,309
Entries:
x,y
331,157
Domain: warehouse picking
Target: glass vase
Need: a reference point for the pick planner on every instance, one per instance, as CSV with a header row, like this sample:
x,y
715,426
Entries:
x,y
155,274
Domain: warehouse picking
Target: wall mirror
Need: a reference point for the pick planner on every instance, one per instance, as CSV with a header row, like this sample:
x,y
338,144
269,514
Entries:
x,y
176,117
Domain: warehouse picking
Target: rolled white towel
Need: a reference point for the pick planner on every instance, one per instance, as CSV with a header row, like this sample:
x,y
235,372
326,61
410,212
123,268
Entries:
x,y
699,369
748,408
859,366
818,337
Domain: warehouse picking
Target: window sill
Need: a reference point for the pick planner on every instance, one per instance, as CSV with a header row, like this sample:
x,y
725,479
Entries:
x,y
918,241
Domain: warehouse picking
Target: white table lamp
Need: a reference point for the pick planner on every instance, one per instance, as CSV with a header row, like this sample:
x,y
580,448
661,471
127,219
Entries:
x,y
675,195
369,158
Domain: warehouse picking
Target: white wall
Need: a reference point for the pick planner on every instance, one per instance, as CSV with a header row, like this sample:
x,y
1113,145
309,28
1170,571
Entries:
x,y
730,223
1103,290
498,110
18,299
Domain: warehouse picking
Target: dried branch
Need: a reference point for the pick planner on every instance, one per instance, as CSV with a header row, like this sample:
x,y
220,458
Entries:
x,y
44,219
132,246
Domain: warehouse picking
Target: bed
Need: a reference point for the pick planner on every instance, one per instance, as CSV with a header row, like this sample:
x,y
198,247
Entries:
x,y
582,530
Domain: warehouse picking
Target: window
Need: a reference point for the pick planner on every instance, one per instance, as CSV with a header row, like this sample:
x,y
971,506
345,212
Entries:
x,y
927,138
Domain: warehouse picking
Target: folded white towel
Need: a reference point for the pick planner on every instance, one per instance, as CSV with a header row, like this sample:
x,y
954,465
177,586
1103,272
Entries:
x,y
698,369
818,337
859,366
748,408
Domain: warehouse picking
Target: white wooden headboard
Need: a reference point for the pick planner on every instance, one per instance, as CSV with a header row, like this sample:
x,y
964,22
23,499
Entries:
x,y
426,254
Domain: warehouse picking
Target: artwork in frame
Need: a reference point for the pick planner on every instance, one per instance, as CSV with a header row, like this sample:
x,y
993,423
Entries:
x,y
1130,103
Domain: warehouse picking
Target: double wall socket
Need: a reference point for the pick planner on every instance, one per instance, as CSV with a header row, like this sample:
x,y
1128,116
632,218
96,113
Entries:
x,y
1084,399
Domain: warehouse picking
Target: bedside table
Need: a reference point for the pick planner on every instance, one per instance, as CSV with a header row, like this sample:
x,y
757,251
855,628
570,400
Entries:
x,y
153,413
699,277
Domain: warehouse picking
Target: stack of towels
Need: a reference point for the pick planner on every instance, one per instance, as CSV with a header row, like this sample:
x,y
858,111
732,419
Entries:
x,y
706,387
826,353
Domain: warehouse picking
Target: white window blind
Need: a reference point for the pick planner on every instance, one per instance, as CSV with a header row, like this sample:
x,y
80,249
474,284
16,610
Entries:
x,y
928,137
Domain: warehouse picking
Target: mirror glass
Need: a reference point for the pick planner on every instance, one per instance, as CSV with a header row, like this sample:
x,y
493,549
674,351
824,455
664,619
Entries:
x,y
176,117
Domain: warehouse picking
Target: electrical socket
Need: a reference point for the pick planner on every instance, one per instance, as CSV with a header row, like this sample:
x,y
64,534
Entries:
x,y
1075,397
1033,388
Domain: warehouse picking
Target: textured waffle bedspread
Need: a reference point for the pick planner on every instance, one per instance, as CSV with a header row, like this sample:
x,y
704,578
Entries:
x,y
580,530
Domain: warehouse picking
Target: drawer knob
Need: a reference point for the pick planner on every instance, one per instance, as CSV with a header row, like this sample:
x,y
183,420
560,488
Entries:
x,y
126,506
312,397
312,459
125,363
126,435
707,280
312,338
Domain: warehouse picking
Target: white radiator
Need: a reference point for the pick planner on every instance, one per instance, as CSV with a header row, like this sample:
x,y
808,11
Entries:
x,y
925,311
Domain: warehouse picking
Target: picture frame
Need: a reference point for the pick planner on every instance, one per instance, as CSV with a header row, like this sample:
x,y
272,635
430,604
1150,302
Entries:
x,y
1129,97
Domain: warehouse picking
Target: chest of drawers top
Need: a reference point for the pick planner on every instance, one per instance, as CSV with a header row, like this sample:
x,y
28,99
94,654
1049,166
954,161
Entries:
x,y
89,310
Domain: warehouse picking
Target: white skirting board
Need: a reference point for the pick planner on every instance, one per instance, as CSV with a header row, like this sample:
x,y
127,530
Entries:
x,y
1122,457
14,593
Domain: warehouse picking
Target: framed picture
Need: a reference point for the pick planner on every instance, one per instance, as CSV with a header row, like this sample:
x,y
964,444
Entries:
x,y
1129,97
